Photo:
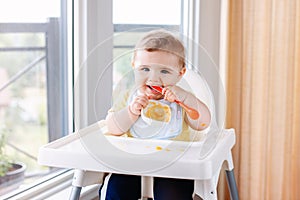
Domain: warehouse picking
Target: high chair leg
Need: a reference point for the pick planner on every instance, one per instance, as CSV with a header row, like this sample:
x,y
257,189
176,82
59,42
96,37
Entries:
x,y
232,185
207,189
147,187
75,193
83,178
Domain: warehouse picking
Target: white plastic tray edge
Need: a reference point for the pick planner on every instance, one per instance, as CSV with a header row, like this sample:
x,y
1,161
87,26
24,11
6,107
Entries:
x,y
51,155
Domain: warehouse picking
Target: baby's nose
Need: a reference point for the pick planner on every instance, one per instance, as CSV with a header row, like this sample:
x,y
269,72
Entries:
x,y
154,76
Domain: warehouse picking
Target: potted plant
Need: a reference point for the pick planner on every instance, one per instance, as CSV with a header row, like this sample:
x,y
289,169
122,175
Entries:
x,y
11,173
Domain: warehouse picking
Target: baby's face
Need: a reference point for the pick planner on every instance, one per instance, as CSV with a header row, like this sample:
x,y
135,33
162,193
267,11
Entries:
x,y
156,68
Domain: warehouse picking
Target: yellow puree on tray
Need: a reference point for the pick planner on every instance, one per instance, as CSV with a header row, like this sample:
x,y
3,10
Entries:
x,y
158,111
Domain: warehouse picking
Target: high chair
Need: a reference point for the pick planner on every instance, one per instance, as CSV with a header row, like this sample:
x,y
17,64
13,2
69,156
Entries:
x,y
92,153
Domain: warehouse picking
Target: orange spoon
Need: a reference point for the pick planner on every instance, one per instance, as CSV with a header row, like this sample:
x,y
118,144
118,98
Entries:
x,y
192,113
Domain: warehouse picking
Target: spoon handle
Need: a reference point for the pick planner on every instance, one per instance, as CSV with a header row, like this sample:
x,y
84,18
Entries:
x,y
192,113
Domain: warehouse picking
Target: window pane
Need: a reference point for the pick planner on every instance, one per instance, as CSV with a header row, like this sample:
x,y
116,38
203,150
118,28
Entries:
x,y
147,12
29,10
29,53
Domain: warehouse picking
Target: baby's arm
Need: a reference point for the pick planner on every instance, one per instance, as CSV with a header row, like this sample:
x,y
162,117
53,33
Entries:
x,y
120,121
176,93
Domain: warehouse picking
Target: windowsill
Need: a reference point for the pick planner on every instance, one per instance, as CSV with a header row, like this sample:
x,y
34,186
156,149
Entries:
x,y
87,193
55,186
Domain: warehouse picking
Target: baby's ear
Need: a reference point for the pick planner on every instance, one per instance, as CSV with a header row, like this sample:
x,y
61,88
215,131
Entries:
x,y
182,71
132,63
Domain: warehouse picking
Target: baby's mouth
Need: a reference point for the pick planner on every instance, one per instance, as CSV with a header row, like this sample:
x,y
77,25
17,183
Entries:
x,y
154,91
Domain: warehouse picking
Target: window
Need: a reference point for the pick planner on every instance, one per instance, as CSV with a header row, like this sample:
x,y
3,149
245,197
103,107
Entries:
x,y
34,93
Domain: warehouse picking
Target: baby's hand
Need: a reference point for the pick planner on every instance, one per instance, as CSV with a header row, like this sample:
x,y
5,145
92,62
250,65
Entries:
x,y
174,93
139,102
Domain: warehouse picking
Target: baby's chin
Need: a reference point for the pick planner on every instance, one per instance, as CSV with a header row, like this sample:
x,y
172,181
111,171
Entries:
x,y
153,97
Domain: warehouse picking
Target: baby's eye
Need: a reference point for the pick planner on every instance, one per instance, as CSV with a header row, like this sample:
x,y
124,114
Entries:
x,y
164,71
145,69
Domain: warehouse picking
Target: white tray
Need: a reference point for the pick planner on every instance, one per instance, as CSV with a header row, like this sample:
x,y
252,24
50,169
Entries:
x,y
91,150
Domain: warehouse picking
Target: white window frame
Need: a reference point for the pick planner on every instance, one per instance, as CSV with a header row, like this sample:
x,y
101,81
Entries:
x,y
93,29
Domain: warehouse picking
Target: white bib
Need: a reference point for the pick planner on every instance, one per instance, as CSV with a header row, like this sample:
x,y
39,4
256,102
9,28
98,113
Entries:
x,y
165,130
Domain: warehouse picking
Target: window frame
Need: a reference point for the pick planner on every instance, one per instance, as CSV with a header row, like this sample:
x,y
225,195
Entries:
x,y
86,42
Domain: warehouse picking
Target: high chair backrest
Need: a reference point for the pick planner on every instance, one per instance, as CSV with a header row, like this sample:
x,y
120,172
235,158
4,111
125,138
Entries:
x,y
193,81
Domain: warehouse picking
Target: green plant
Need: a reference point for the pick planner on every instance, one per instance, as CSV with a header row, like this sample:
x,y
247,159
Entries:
x,y
5,163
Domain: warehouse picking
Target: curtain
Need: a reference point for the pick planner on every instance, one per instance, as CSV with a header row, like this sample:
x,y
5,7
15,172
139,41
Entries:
x,y
263,97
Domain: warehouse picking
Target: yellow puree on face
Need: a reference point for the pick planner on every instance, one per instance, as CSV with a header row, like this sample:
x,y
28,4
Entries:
x,y
159,112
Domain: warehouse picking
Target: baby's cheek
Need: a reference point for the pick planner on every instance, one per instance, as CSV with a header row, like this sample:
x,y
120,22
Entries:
x,y
170,80
139,76
140,86
139,81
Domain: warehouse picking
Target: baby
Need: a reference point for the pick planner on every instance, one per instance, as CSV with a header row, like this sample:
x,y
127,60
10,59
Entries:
x,y
158,60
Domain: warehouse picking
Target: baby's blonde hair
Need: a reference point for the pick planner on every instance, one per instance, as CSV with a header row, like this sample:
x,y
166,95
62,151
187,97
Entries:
x,y
162,40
